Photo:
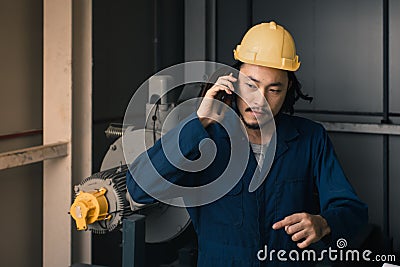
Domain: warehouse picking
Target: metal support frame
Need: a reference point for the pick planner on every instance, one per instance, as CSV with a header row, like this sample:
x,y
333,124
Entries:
x,y
156,38
200,34
366,128
57,126
81,146
30,155
195,30
61,120
133,241
386,119
211,30
346,113
200,30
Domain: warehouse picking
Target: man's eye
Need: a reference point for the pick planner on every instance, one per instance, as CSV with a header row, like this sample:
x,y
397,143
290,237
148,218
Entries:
x,y
252,86
276,91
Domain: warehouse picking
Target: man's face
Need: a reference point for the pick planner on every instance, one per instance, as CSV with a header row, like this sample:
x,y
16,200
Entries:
x,y
261,83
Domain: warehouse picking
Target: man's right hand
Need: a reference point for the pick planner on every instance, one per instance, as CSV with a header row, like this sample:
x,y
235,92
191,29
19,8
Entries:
x,y
207,108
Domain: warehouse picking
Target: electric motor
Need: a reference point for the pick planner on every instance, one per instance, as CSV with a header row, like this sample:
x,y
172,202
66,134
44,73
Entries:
x,y
100,204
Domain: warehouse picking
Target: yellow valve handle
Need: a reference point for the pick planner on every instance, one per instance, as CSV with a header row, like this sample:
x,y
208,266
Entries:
x,y
89,207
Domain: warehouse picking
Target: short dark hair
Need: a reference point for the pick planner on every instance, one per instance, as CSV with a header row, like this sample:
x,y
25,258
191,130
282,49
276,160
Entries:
x,y
293,94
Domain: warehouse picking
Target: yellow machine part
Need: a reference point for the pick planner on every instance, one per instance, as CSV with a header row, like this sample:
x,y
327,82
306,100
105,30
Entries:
x,y
89,207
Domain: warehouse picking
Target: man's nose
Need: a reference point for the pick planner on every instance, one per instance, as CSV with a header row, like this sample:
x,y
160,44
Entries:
x,y
259,98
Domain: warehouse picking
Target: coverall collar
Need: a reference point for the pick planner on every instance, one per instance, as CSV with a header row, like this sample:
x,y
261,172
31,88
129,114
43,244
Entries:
x,y
286,132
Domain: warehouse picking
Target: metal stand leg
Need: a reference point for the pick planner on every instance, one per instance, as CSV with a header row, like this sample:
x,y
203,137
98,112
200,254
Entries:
x,y
133,241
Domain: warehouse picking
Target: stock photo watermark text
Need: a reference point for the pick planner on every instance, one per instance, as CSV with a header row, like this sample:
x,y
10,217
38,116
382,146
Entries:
x,y
332,254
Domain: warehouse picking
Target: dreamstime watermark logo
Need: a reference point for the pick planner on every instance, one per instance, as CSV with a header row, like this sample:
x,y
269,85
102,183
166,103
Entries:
x,y
340,253
341,243
153,170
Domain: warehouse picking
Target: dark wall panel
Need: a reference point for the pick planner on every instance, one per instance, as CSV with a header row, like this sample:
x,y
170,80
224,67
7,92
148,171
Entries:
x,y
361,159
298,17
339,44
348,55
123,55
394,191
232,23
171,36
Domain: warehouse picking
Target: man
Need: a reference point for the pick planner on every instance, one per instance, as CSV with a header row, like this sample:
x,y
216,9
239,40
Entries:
x,y
305,200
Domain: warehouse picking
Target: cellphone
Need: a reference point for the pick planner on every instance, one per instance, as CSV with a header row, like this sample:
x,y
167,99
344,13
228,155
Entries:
x,y
229,99
224,97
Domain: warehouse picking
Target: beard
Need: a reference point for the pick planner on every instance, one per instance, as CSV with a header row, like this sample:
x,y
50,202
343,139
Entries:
x,y
256,125
252,126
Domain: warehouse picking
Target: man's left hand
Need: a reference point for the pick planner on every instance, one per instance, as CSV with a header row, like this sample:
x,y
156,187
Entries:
x,y
304,227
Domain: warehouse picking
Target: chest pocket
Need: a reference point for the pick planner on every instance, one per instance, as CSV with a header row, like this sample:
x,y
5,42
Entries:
x,y
294,195
227,210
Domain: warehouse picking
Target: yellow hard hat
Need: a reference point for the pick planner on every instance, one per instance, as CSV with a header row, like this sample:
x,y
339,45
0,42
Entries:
x,y
269,45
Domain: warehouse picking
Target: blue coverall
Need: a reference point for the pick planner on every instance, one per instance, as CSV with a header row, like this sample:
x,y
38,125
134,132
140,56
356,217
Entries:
x,y
305,177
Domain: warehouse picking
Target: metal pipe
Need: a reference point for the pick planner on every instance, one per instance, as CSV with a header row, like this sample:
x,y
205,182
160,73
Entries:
x,y
386,119
156,41
386,62
211,33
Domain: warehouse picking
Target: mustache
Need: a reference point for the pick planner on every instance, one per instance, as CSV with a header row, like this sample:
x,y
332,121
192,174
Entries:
x,y
256,109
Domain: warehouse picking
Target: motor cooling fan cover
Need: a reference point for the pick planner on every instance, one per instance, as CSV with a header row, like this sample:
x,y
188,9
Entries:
x,y
113,180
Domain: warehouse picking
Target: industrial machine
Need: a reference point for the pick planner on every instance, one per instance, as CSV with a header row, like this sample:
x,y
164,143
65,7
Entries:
x,y
102,202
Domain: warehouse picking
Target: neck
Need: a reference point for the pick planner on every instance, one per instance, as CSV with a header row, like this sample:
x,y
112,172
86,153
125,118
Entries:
x,y
256,137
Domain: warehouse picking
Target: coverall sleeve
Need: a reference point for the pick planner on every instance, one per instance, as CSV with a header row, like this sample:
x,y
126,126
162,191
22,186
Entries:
x,y
340,206
153,164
